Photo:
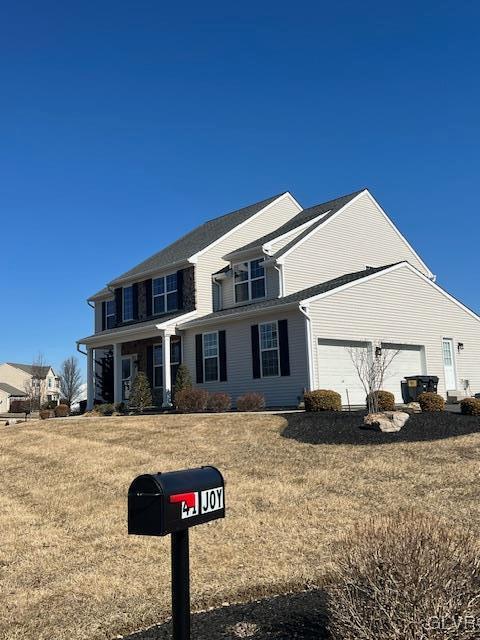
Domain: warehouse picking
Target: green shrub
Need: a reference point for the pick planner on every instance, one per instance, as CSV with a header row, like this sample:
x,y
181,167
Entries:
x,y
470,406
183,379
105,409
381,400
431,402
323,400
396,577
251,402
120,407
140,393
45,413
191,400
62,411
50,404
219,402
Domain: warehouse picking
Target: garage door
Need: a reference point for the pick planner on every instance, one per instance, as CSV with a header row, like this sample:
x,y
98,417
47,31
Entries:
x,y
336,369
408,362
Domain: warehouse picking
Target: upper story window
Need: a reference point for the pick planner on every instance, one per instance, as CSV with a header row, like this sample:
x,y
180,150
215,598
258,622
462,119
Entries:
x,y
50,383
269,355
127,303
210,357
165,294
249,280
110,314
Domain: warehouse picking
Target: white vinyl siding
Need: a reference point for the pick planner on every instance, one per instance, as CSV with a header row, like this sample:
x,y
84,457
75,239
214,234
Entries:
x,y
279,391
358,236
401,308
212,260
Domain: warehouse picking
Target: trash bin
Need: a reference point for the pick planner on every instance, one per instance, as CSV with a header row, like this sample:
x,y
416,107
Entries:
x,y
415,385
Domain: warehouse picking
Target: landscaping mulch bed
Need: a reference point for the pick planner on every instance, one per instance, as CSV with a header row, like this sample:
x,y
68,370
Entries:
x,y
299,616
330,427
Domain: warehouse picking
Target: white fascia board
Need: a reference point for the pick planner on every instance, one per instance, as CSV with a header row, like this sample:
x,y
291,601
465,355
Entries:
x,y
397,231
174,321
237,316
268,245
118,282
281,259
287,195
395,267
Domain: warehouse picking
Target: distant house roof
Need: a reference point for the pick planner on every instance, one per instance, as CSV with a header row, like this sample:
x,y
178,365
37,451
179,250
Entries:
x,y
306,215
195,240
12,391
30,369
293,298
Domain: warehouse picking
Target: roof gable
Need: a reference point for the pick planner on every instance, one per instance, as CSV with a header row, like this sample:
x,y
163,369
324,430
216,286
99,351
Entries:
x,y
31,368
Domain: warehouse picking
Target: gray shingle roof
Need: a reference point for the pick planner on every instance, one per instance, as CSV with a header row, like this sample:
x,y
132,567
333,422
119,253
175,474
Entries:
x,y
196,240
30,368
11,390
332,206
293,298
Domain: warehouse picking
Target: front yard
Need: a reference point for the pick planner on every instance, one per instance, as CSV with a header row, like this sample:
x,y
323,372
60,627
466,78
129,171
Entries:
x,y
69,570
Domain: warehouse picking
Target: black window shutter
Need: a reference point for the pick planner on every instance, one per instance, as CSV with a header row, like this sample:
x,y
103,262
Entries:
x,y
199,357
284,350
135,300
150,364
180,303
118,305
222,349
255,351
148,294
104,312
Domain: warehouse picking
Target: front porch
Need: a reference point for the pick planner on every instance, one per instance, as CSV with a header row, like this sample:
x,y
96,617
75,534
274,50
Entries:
x,y
111,368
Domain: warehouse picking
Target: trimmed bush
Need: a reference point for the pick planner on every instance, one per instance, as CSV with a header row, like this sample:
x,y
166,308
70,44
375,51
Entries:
x,y
323,400
219,402
396,578
19,406
106,409
51,404
120,407
45,413
141,393
384,400
470,406
191,400
62,411
183,379
430,402
251,402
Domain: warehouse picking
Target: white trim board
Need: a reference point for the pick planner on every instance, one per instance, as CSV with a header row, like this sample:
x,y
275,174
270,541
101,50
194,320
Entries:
x,y
395,267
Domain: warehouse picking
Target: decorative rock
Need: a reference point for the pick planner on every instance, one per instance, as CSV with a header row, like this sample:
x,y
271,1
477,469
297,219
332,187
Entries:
x,y
414,407
388,421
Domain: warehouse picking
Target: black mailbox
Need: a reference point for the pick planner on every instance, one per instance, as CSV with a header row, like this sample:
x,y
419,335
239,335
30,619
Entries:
x,y
163,503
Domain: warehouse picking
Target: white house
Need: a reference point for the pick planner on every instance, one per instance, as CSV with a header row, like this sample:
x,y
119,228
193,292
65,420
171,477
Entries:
x,y
271,298
16,379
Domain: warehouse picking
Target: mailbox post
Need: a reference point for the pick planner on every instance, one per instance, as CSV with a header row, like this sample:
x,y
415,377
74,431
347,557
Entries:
x,y
160,504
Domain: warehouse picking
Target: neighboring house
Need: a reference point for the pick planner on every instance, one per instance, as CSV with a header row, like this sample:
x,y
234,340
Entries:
x,y
7,394
23,377
271,298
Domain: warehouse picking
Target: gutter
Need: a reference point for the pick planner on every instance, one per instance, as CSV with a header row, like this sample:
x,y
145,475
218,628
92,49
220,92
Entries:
x,y
308,335
236,316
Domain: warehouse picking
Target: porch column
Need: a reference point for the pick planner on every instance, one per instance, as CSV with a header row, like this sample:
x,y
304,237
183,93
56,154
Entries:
x,y
167,376
90,379
117,372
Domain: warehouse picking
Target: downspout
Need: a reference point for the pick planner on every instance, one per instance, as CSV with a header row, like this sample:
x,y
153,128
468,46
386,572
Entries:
x,y
308,337
80,351
281,287
220,292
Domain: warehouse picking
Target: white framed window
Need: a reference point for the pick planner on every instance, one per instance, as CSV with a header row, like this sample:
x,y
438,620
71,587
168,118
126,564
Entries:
x,y
164,294
210,357
158,366
249,280
109,314
127,303
49,383
269,350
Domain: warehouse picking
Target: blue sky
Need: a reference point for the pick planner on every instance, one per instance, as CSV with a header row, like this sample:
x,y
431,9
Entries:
x,y
124,124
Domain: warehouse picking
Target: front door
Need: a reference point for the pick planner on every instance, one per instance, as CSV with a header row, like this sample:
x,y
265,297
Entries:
x,y
449,364
128,374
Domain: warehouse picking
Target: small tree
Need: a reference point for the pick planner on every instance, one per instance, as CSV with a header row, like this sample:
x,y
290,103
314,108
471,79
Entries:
x,y
140,393
183,379
371,369
35,386
70,380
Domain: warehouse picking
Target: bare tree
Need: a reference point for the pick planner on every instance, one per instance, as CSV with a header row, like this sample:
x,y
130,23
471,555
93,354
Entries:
x,y
35,385
371,369
70,380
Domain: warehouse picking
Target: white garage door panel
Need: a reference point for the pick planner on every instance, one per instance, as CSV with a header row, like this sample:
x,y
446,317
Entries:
x,y
336,370
408,362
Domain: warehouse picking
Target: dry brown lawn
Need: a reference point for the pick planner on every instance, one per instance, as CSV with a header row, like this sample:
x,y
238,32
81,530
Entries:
x,y
69,570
